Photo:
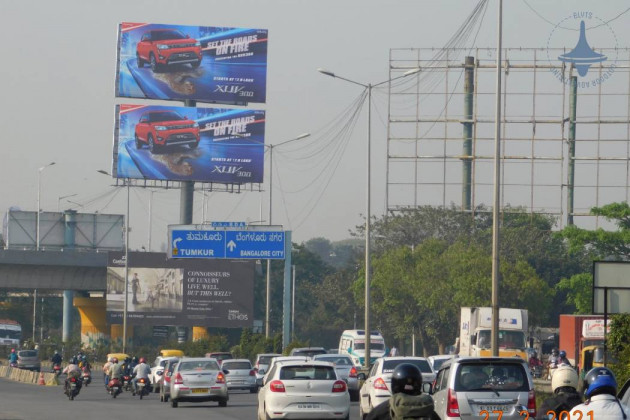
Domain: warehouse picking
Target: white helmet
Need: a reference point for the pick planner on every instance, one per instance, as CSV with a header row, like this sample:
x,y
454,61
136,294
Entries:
x,y
565,376
110,359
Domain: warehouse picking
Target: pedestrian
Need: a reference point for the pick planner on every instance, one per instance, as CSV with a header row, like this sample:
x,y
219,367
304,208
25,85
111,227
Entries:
x,y
135,286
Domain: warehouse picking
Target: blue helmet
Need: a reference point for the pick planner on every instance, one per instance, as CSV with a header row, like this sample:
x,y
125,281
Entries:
x,y
562,353
600,380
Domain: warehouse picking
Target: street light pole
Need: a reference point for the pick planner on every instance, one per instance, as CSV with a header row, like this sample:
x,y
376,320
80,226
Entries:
x,y
39,182
61,198
268,292
368,214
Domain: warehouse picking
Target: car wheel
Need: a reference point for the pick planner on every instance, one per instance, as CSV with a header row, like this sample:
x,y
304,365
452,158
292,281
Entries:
x,y
138,142
155,66
154,149
139,61
223,403
195,64
193,145
174,403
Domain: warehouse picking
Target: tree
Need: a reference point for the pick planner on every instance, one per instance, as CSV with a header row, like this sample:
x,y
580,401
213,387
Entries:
x,y
579,292
619,347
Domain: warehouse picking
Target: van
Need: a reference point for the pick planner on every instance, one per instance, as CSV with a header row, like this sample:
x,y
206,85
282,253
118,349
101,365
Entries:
x,y
352,343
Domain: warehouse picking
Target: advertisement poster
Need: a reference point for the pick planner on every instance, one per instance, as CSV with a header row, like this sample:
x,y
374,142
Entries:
x,y
161,291
189,144
202,63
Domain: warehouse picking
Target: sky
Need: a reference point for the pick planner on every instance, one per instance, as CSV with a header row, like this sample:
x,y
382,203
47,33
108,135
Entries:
x,y
58,100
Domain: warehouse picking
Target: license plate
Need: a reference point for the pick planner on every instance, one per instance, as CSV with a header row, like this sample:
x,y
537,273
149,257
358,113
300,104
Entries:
x,y
73,385
494,410
308,406
199,390
140,384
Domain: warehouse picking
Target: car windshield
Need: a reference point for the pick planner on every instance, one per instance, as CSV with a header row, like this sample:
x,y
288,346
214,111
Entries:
x,y
199,365
307,372
264,360
6,333
164,35
437,363
373,346
390,365
491,376
27,353
237,365
165,116
338,361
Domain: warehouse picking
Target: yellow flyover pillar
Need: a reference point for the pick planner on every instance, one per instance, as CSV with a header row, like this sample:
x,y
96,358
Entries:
x,y
93,320
200,333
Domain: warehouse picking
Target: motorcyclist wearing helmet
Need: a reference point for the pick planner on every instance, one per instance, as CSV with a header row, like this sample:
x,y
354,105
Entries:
x,y
13,358
141,370
56,358
406,401
565,396
601,396
72,371
115,370
562,359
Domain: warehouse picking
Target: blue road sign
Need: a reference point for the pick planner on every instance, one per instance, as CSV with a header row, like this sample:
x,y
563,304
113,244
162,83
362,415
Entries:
x,y
237,244
198,244
254,244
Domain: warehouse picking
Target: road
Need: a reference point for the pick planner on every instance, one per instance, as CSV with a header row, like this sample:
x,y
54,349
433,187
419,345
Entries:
x,y
19,401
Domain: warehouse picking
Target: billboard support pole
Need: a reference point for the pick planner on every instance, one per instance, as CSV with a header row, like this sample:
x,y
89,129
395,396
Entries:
x,y
286,297
126,307
186,198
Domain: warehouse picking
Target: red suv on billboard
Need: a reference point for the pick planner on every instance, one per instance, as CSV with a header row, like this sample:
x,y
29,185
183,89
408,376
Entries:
x,y
165,47
165,128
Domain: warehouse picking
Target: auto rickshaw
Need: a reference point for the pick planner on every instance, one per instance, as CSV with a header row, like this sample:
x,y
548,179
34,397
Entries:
x,y
171,353
590,357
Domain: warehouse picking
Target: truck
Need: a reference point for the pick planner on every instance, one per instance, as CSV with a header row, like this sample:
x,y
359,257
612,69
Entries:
x,y
578,332
475,330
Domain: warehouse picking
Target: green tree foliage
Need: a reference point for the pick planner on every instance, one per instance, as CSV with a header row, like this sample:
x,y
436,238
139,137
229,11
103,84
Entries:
x,y
579,292
602,243
252,344
619,347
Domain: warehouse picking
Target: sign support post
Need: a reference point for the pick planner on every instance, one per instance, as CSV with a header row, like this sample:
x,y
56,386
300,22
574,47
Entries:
x,y
286,296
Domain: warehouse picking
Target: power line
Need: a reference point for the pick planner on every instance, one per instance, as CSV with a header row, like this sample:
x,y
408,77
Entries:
x,y
573,29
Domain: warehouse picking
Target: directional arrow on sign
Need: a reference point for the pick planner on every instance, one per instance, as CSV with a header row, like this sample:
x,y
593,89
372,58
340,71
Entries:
x,y
176,241
231,245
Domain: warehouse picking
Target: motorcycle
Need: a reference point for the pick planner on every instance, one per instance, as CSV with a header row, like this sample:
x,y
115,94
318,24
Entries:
x,y
536,371
13,364
56,369
127,385
87,376
143,387
114,387
72,387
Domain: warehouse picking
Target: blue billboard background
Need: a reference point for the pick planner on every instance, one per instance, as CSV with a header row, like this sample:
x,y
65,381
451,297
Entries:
x,y
233,69
231,148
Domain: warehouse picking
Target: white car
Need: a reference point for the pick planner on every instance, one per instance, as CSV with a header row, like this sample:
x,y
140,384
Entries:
x,y
436,361
284,359
310,389
157,370
241,374
377,386
345,370
198,379
262,365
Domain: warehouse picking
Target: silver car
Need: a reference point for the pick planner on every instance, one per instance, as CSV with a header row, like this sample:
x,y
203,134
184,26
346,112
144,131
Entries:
x,y
262,365
345,370
198,379
478,387
241,375
28,359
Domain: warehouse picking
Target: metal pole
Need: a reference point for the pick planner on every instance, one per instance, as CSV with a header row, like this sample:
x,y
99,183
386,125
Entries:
x,y
571,168
469,83
605,324
286,297
34,312
293,306
150,218
268,293
368,335
39,178
126,306
41,323
497,193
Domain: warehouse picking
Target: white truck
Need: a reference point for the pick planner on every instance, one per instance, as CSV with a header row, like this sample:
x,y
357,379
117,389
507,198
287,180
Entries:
x,y
475,329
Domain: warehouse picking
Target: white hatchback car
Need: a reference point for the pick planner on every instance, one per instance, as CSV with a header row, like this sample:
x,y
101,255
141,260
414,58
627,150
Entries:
x,y
295,389
157,370
198,379
241,374
377,386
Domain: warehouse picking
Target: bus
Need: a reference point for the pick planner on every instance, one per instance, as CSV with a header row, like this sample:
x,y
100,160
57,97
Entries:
x,y
10,333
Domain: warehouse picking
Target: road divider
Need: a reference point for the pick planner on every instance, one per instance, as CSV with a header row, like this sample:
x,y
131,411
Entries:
x,y
26,376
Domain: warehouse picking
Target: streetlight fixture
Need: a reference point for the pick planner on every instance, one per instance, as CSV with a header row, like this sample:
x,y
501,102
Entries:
x,y
39,182
368,87
63,197
270,147
126,300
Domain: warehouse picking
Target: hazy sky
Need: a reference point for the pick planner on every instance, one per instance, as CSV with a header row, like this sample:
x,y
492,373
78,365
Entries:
x,y
57,84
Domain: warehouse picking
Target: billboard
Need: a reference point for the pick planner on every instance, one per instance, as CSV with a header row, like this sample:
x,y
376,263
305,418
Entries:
x,y
161,291
189,144
202,63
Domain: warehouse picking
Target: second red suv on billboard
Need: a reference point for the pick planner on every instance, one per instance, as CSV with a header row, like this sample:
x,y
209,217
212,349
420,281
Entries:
x,y
166,47
165,128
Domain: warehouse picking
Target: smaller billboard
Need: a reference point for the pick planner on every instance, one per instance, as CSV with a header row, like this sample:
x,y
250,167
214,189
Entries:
x,y
202,63
189,144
